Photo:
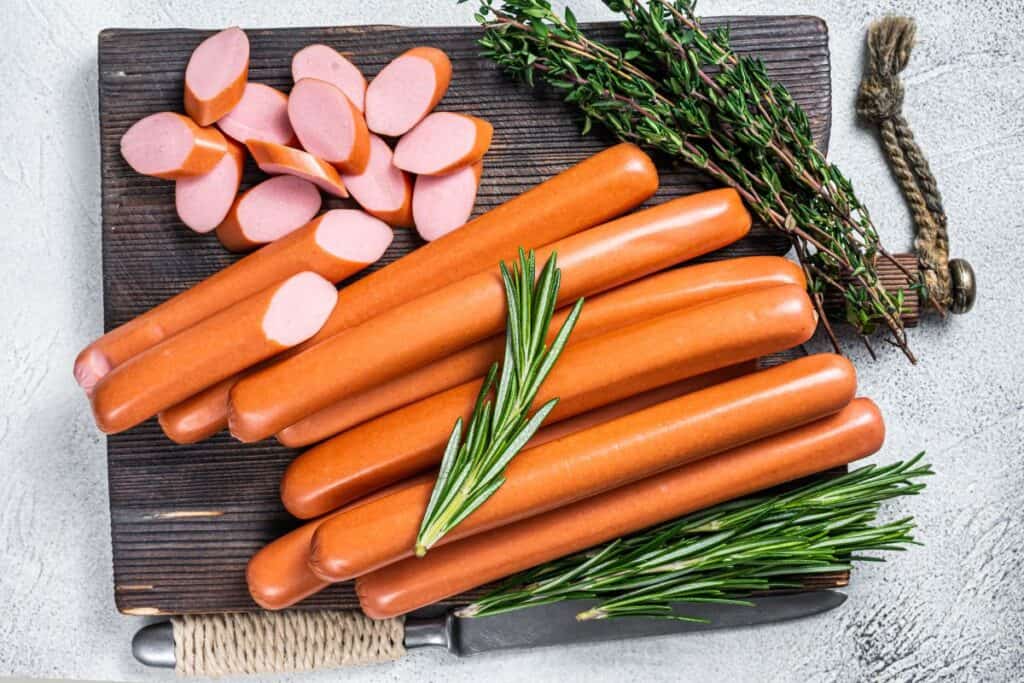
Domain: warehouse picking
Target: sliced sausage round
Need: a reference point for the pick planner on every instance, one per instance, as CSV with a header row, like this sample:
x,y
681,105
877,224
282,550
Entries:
x,y
406,90
328,125
261,114
267,212
442,203
172,146
382,189
326,64
443,142
275,159
216,74
203,201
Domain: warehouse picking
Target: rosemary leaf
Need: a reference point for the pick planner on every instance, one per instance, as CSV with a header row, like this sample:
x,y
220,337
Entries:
x,y
473,467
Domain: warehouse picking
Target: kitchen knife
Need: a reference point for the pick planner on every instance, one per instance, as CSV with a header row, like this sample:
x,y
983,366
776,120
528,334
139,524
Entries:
x,y
547,625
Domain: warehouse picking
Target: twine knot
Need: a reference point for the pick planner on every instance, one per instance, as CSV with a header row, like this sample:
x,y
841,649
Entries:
x,y
890,42
880,98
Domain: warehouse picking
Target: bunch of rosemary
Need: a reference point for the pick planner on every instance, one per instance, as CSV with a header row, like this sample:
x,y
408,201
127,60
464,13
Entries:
x,y
682,90
473,468
725,553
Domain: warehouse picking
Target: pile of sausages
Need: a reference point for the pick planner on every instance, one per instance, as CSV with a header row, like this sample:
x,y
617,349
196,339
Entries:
x,y
663,408
323,136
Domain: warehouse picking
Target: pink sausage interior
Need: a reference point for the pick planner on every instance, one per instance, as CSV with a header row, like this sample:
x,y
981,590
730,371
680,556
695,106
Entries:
x,y
324,63
159,143
438,141
353,235
90,367
299,308
322,183
217,63
381,187
203,201
276,207
261,114
442,203
400,95
322,118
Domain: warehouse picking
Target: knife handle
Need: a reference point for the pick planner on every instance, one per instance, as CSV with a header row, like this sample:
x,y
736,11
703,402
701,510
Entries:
x,y
273,642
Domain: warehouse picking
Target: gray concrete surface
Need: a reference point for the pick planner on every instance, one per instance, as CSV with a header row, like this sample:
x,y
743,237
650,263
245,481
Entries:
x,y
950,610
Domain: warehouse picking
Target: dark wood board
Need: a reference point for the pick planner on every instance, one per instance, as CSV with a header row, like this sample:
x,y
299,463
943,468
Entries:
x,y
185,520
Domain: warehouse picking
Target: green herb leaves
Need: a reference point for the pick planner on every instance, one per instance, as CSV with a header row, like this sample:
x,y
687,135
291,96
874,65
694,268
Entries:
x,y
473,467
727,552
681,89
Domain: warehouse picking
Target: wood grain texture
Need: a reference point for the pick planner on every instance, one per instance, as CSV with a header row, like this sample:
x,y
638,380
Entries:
x,y
185,519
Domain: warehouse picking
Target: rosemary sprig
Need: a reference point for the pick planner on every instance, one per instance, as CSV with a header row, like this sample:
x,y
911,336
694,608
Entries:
x,y
683,91
473,467
727,552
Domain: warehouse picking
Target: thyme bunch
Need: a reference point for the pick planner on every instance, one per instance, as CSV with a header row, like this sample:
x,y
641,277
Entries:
x,y
725,553
681,90
473,467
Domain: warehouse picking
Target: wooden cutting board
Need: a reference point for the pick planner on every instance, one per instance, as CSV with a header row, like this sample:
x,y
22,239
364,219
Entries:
x,y
186,519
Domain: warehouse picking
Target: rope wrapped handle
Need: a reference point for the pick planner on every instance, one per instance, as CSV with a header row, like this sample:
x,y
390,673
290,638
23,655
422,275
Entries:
x,y
950,284
278,642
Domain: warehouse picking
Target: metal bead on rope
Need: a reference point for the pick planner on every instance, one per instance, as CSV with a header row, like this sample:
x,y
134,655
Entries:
x,y
950,284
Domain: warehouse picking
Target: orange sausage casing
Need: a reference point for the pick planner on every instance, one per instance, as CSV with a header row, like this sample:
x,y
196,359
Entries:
x,y
599,459
596,189
202,355
442,322
309,248
640,300
279,574
853,433
589,374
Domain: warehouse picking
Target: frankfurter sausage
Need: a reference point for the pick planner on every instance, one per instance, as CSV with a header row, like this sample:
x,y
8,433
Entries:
x,y
216,74
442,203
261,114
203,201
406,90
589,374
171,146
279,574
326,64
854,432
599,459
268,211
227,342
641,300
335,245
382,189
443,142
274,159
594,190
328,125
440,323
198,417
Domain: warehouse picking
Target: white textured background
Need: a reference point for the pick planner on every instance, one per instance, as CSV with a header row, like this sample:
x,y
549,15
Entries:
x,y
952,609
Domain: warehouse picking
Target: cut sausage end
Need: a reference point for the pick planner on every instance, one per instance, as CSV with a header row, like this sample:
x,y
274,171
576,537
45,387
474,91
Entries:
x,y
443,142
299,308
202,202
274,208
91,366
406,90
353,235
441,204
275,159
326,64
168,145
328,125
382,189
261,114
216,74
